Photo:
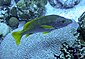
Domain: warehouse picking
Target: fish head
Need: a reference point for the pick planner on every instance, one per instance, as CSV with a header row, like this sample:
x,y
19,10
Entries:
x,y
62,22
65,21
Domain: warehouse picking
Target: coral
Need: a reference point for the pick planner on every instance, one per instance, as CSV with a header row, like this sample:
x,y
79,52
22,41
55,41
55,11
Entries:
x,y
30,9
81,28
24,16
16,1
24,10
4,29
21,4
77,51
64,3
5,2
1,16
13,11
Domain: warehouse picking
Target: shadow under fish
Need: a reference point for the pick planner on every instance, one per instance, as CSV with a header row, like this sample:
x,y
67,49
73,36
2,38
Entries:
x,y
43,24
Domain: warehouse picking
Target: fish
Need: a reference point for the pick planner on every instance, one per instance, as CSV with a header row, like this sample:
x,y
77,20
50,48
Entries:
x,y
43,24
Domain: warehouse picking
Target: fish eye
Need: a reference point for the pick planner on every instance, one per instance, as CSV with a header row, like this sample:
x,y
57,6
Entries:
x,y
63,21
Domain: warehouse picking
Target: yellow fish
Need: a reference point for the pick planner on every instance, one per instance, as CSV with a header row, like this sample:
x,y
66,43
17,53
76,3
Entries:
x,y
43,24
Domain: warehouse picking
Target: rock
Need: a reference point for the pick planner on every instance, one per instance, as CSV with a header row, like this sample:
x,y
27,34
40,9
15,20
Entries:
x,y
13,22
64,3
4,29
37,46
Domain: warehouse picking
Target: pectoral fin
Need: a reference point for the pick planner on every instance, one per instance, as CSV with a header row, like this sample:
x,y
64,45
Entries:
x,y
45,32
28,34
47,27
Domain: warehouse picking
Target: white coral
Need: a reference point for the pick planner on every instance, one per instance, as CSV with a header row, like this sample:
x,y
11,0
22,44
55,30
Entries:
x,y
4,29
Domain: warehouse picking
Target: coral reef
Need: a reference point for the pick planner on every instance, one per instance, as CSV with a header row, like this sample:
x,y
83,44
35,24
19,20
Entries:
x,y
4,29
59,41
64,3
76,51
16,1
14,11
24,10
81,28
5,2
30,9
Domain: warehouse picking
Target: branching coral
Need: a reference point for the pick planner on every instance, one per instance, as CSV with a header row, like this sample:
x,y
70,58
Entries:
x,y
81,29
77,51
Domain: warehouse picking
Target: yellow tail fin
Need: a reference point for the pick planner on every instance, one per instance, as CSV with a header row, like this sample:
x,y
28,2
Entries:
x,y
17,36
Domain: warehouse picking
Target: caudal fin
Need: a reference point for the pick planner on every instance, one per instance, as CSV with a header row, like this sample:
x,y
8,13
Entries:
x,y
17,36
